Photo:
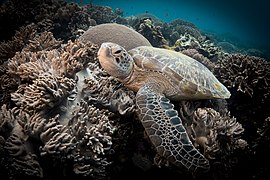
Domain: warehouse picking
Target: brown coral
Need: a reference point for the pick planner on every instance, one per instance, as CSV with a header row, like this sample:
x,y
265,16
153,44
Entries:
x,y
199,57
18,41
220,137
116,33
147,28
248,74
50,74
18,155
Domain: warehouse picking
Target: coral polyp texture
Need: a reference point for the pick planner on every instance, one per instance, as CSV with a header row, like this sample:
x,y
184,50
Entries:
x,y
62,115
248,74
116,33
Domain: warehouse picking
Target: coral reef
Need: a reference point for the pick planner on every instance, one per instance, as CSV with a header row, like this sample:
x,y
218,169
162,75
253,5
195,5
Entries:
x,y
64,20
115,33
62,115
151,32
51,111
248,74
199,57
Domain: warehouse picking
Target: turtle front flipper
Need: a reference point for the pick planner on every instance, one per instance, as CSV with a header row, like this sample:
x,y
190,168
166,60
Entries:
x,y
165,130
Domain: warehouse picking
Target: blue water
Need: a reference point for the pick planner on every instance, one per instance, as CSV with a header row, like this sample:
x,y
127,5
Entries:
x,y
245,20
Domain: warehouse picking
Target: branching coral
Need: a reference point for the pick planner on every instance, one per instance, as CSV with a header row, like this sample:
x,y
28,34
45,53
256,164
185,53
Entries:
x,y
199,57
50,74
106,92
18,41
17,155
147,28
43,41
248,74
7,85
220,137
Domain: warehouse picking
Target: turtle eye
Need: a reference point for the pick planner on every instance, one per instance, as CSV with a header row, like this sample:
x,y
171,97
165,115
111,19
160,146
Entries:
x,y
117,51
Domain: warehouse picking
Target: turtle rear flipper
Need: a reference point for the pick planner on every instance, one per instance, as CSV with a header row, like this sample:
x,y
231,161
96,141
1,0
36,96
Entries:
x,y
165,130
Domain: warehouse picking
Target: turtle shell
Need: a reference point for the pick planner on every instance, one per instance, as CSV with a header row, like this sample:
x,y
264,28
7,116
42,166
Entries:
x,y
193,79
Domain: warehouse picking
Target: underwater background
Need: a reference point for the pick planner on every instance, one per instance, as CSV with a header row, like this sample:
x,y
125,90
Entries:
x,y
62,115
242,23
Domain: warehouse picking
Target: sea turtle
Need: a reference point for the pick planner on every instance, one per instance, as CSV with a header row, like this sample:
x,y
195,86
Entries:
x,y
158,75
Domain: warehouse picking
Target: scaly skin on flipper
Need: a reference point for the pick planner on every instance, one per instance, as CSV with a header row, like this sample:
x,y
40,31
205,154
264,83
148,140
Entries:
x,y
165,130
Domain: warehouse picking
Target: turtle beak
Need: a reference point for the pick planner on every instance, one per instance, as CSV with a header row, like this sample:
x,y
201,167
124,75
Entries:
x,y
104,50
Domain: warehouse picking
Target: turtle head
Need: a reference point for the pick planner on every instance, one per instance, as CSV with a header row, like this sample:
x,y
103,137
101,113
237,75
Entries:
x,y
115,60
